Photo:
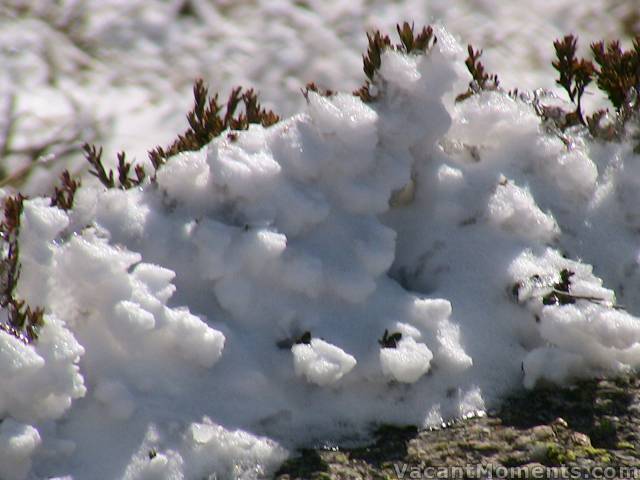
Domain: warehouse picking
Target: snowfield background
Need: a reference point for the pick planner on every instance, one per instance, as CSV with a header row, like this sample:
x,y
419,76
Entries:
x,y
501,254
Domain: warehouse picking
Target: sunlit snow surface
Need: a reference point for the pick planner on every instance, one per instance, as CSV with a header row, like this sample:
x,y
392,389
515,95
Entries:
x,y
172,310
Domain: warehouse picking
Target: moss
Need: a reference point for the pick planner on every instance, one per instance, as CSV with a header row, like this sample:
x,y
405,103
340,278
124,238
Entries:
x,y
555,454
625,446
340,457
604,430
570,456
391,431
484,446
308,464
598,454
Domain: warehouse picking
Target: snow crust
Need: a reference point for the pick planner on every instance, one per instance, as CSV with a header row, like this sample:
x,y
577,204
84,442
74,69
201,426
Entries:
x,y
177,312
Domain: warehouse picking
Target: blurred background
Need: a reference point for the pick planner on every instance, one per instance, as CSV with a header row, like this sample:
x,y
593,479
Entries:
x,y
119,73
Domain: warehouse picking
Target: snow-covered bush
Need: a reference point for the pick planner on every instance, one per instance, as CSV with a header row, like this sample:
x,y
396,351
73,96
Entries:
x,y
392,255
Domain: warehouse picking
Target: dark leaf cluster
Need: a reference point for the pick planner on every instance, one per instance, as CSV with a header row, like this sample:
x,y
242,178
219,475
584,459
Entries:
x,y
312,87
22,322
64,194
390,340
371,62
560,294
618,71
481,79
557,293
574,74
410,42
304,339
207,120
124,181
124,169
287,343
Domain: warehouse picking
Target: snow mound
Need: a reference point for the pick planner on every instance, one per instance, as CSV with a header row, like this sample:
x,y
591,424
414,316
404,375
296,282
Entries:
x,y
18,442
581,332
407,362
321,363
393,261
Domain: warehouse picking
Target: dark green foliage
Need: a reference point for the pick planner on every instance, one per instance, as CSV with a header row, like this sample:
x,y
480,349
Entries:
x,y
312,87
22,322
206,120
607,133
574,74
287,343
64,195
308,465
10,266
560,294
305,338
410,42
371,61
364,92
414,43
94,157
125,182
619,71
481,79
390,340
557,293
124,168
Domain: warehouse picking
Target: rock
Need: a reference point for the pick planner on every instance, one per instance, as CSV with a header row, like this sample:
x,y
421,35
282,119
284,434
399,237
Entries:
x,y
580,439
560,423
543,432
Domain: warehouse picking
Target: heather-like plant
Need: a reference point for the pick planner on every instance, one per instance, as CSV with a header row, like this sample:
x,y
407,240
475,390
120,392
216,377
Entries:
x,y
410,42
206,120
574,75
481,79
93,155
618,72
312,87
64,194
22,321
390,340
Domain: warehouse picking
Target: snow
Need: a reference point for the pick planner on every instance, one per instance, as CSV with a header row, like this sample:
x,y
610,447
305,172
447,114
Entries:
x,y
321,363
18,442
212,321
407,362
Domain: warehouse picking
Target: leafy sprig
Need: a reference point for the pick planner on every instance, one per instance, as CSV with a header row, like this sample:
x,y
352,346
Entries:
x,y
64,194
390,340
618,71
22,322
481,80
574,74
93,155
206,120
410,43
